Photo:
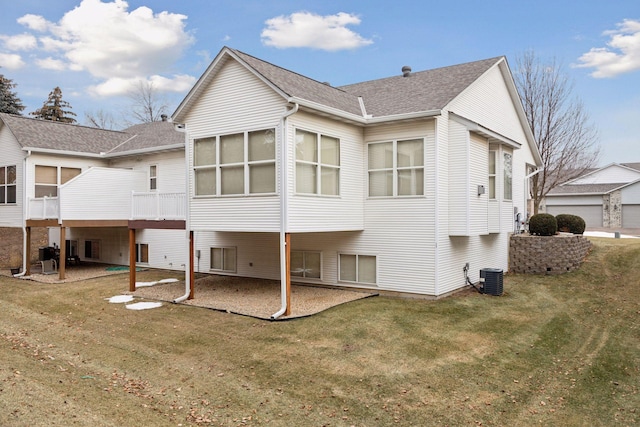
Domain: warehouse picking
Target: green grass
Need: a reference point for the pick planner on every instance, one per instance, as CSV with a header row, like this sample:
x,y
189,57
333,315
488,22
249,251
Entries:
x,y
553,350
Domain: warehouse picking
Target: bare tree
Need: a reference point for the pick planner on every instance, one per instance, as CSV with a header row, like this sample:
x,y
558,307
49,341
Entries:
x,y
100,119
146,104
567,141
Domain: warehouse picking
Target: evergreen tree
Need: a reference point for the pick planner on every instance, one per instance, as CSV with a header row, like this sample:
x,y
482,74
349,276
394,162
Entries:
x,y
9,101
55,109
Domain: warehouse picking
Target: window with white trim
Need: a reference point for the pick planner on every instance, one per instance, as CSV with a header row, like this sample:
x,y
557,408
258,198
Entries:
x,y
358,268
236,164
306,264
396,168
48,178
317,164
508,176
492,174
223,259
7,185
153,177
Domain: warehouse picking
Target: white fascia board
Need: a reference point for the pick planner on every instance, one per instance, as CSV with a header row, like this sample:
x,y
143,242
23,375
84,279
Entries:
x,y
62,152
476,127
149,150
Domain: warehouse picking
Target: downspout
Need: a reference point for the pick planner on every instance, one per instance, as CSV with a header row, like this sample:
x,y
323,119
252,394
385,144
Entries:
x,y
284,205
526,188
24,217
187,264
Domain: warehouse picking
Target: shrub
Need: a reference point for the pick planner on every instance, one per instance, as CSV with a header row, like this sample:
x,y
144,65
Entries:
x,y
570,223
543,225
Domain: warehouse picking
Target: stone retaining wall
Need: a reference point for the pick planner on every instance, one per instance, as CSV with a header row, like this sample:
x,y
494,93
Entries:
x,y
11,245
547,254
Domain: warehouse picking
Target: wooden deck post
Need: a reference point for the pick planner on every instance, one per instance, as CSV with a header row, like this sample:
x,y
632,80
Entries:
x,y
192,275
27,253
287,244
63,253
132,260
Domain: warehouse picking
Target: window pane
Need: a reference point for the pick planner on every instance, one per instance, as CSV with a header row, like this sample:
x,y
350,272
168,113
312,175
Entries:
x,y
262,145
348,268
492,162
46,174
381,155
507,176
306,181
11,194
204,151
216,258
232,148
330,151
330,181
312,265
46,191
11,174
410,153
3,174
410,182
366,269
232,180
229,259
492,187
2,195
205,182
297,264
381,183
306,146
262,178
66,174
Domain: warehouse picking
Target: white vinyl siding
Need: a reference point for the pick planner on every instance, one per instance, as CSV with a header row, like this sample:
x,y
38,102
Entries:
x,y
11,214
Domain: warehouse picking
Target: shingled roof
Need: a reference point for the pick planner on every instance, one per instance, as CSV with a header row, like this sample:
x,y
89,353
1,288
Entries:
x,y
47,135
424,91
567,190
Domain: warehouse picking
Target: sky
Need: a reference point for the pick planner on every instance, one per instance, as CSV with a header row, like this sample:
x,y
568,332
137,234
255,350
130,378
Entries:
x,y
99,51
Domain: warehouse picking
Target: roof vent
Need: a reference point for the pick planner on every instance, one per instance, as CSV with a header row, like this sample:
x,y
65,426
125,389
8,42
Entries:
x,y
164,117
326,83
406,71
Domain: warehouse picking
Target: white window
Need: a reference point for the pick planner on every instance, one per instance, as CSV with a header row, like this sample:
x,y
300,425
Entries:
x,y
48,178
153,177
358,268
142,253
223,259
236,164
396,168
7,185
317,164
492,174
306,264
508,176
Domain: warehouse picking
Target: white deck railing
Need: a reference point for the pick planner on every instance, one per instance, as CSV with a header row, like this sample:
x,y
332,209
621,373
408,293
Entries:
x,y
157,205
44,208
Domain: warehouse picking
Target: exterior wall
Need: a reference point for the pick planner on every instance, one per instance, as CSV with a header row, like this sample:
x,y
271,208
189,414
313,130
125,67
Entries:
x,y
113,241
12,245
609,175
312,213
168,249
612,209
12,155
238,101
547,254
630,199
170,169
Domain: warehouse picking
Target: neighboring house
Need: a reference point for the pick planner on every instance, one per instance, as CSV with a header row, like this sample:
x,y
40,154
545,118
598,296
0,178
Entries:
x,y
394,184
606,197
93,189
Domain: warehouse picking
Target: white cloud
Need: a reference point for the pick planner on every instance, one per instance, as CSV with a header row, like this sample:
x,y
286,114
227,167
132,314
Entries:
x,y
19,42
11,61
119,86
622,54
304,29
111,43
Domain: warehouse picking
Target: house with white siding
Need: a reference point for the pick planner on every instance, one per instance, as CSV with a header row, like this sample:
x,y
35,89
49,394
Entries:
x,y
395,184
606,197
104,196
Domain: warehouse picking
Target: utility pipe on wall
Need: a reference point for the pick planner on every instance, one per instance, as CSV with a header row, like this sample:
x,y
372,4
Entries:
x,y
188,235
25,241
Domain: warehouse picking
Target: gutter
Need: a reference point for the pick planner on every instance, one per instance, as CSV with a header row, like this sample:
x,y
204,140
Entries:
x,y
187,265
24,216
284,205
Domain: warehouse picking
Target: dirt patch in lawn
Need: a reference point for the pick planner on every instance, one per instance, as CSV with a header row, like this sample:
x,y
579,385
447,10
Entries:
x,y
258,298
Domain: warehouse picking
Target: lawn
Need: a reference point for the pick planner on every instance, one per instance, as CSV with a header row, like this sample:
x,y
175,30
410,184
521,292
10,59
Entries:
x,y
553,350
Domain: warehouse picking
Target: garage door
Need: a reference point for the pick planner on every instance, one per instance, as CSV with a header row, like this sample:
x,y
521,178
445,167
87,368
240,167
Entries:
x,y
592,215
631,216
